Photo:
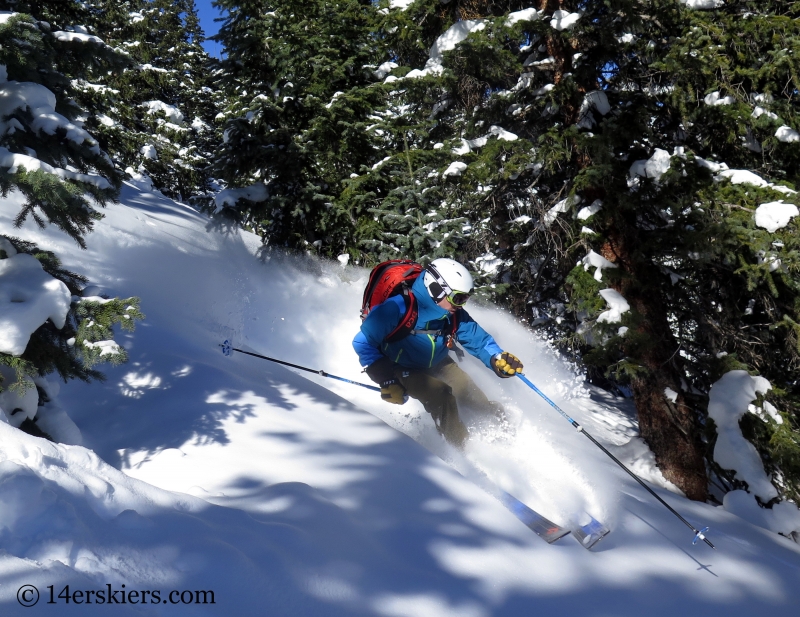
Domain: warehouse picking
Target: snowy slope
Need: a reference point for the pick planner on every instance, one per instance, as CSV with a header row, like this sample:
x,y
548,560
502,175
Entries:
x,y
289,494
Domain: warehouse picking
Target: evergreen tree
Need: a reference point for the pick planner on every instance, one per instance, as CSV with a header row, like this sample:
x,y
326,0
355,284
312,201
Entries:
x,y
300,88
48,157
155,113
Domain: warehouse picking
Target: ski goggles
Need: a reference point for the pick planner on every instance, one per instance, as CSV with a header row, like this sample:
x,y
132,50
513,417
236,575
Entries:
x,y
457,298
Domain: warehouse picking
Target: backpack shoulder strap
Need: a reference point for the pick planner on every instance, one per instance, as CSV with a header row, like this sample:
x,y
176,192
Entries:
x,y
407,321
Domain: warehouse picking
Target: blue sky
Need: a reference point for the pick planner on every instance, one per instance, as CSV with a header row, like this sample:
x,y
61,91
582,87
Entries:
x,y
207,13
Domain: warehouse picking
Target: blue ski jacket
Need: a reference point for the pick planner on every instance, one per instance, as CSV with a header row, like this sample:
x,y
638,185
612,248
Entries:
x,y
419,350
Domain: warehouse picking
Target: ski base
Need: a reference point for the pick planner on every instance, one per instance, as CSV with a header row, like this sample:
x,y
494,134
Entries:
x,y
538,524
591,533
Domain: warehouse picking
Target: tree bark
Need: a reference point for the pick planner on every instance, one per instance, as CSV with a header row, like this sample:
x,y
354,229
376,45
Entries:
x,y
671,429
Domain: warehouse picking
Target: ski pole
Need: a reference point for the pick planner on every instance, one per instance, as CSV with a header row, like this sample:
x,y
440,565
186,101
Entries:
x,y
698,534
227,349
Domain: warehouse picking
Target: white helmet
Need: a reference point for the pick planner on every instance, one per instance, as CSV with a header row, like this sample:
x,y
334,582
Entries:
x,y
446,278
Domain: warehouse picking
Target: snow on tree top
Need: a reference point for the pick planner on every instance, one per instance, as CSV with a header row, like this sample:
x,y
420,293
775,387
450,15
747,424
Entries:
x,y
530,14
703,4
775,215
77,37
41,103
787,134
170,111
597,261
654,167
564,20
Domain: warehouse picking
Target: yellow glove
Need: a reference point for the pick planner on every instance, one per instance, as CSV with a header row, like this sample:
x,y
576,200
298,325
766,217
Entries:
x,y
506,365
393,392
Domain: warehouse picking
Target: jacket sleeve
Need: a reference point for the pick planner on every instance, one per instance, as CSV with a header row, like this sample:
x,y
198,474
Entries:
x,y
374,329
475,339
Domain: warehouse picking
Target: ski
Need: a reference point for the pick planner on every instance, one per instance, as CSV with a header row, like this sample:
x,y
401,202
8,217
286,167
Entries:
x,y
538,524
591,533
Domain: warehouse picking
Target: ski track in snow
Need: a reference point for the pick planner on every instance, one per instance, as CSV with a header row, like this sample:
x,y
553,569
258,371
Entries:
x,y
276,490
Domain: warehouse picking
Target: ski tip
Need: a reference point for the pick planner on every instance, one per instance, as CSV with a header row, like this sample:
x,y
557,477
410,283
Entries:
x,y
554,534
226,347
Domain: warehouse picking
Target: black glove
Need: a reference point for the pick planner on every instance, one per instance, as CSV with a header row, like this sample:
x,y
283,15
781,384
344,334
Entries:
x,y
506,365
381,371
393,392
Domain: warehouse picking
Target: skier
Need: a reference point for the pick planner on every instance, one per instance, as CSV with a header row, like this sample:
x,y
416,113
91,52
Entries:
x,y
419,365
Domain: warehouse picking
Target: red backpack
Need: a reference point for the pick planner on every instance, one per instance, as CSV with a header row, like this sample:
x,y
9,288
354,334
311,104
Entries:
x,y
392,278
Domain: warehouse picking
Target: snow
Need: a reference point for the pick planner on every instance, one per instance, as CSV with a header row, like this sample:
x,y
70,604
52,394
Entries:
x,y
590,210
617,305
743,176
787,134
383,70
106,120
456,168
729,399
559,208
714,99
740,176
78,37
502,134
488,263
775,215
760,111
712,166
564,20
228,197
290,494
400,4
150,67
5,16
29,296
783,517
41,103
529,14
107,348
654,167
594,260
703,4
454,35
596,100
172,113
448,41
148,151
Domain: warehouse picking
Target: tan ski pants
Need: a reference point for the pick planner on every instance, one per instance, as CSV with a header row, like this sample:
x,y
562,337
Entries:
x,y
441,390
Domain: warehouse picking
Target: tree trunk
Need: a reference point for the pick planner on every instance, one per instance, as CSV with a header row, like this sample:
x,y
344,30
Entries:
x,y
671,432
671,429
